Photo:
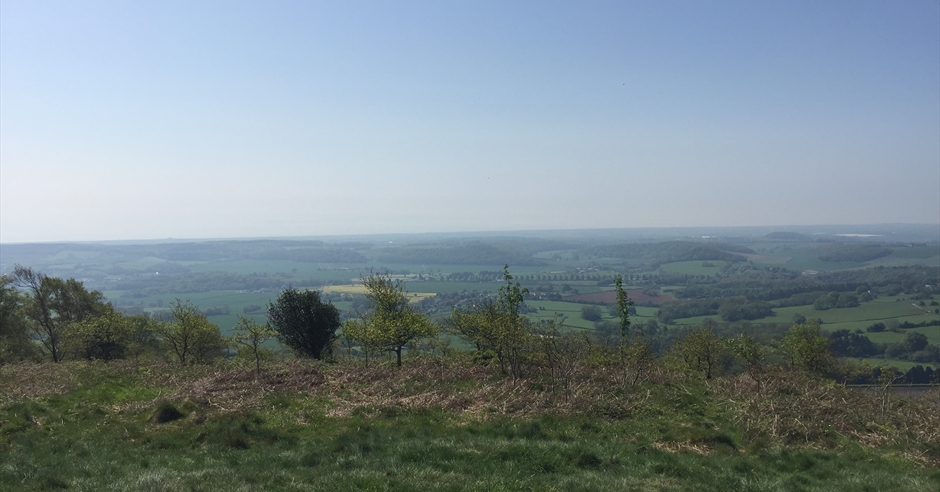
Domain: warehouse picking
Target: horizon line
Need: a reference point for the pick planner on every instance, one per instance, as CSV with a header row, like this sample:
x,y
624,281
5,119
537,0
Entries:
x,y
470,232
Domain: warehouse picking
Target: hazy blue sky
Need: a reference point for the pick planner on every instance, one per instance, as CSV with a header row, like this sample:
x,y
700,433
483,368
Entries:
x,y
136,120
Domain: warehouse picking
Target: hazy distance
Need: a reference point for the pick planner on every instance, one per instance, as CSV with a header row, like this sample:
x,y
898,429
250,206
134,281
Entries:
x,y
176,119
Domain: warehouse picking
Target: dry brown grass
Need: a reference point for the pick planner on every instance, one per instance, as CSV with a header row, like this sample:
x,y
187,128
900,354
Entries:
x,y
242,389
27,381
793,410
787,411
457,386
679,447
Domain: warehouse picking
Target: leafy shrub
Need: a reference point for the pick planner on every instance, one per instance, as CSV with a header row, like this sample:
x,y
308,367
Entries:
x,y
835,300
876,328
217,310
190,336
591,313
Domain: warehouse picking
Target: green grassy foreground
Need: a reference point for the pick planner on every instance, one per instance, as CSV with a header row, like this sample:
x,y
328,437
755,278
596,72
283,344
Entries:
x,y
448,424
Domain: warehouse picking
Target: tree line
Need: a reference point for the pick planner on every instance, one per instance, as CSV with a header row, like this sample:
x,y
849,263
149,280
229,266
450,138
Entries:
x,y
769,285
47,317
657,254
43,317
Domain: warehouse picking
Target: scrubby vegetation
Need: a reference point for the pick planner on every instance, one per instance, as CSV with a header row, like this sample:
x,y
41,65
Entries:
x,y
136,403
450,424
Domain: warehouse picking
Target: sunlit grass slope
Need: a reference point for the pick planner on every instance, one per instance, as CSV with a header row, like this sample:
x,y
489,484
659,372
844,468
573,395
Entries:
x,y
448,424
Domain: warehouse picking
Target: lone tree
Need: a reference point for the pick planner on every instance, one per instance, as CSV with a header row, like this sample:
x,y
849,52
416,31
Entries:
x,y
190,335
807,348
700,351
635,351
304,323
392,323
497,327
591,313
624,305
104,337
751,354
252,335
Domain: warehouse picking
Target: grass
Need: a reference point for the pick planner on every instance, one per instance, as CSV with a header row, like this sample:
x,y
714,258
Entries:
x,y
450,426
413,452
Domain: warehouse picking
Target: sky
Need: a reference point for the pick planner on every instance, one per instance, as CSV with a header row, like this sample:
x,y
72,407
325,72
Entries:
x,y
201,119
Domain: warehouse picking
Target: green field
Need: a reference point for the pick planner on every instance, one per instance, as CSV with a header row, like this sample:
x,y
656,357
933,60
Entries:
x,y
863,316
857,318
572,313
931,332
570,310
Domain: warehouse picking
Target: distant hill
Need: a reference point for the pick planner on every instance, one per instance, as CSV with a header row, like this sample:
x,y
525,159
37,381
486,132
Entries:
x,y
306,251
489,251
788,236
854,252
668,252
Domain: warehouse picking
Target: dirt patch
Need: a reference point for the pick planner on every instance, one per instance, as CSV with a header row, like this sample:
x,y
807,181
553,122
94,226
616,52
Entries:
x,y
610,297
